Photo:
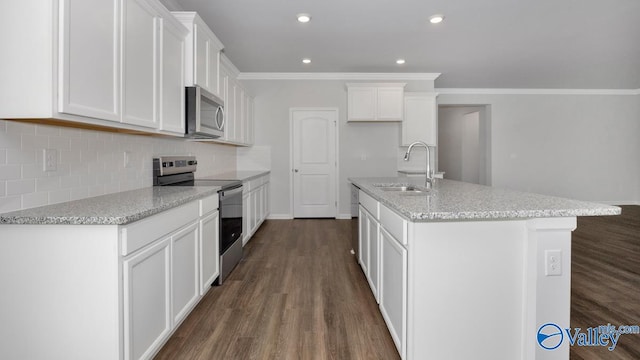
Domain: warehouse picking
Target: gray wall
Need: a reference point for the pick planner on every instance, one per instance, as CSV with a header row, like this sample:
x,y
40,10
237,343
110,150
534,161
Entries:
x,y
578,146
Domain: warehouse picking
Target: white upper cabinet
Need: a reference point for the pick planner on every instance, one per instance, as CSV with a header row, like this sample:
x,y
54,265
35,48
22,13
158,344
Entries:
x,y
118,64
89,58
202,53
375,102
420,118
172,48
141,59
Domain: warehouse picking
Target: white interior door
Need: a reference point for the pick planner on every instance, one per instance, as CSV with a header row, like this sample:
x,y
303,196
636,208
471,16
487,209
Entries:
x,y
314,163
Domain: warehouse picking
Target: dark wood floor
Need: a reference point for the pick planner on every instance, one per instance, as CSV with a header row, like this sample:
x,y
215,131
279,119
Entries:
x,y
605,284
299,294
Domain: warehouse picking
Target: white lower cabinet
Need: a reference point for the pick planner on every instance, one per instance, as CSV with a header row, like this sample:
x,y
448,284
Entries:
x,y
113,291
370,250
209,250
393,288
185,284
255,205
383,259
147,299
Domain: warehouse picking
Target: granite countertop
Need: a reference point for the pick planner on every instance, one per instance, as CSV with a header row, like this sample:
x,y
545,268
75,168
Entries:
x,y
112,209
455,200
242,175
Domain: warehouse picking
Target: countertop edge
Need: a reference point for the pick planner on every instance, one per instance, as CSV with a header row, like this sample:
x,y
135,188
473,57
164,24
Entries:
x,y
12,218
487,214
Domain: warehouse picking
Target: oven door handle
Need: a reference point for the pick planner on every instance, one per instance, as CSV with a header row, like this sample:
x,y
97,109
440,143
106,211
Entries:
x,y
231,192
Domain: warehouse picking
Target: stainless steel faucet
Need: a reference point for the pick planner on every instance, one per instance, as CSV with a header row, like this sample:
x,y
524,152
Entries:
x,y
428,182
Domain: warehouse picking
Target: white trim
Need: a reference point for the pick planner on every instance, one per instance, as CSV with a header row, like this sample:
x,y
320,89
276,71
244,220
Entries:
x,y
343,217
280,217
337,157
224,60
461,91
337,76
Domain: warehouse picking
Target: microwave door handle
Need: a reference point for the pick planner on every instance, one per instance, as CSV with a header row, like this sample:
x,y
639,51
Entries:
x,y
220,118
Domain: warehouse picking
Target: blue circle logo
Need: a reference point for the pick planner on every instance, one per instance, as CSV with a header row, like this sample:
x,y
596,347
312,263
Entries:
x,y
550,336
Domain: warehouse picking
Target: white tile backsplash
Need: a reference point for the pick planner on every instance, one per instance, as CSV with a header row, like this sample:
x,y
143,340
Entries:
x,y
90,163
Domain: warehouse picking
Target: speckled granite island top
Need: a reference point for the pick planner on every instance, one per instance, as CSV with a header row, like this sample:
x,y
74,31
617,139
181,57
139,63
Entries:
x,y
453,200
112,209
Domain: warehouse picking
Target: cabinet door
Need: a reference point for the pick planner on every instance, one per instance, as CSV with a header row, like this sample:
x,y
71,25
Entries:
x,y
172,79
389,103
420,119
147,299
213,69
184,272
249,121
89,80
393,288
140,54
246,211
201,56
239,111
362,103
230,111
363,251
254,209
209,251
374,261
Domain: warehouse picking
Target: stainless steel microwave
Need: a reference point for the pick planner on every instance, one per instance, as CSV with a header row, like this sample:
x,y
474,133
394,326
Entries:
x,y
204,114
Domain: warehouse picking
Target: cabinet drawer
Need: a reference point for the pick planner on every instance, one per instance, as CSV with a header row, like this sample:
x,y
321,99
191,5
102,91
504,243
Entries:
x,y
370,204
208,204
140,233
394,224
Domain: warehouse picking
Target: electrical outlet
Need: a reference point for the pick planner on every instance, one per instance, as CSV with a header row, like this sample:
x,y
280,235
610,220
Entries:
x,y
50,160
553,262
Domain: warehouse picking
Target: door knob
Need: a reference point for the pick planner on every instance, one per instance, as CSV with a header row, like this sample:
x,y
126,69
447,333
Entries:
x,y
296,170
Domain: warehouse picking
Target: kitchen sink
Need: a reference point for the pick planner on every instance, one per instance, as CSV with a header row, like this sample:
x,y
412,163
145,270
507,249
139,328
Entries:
x,y
401,188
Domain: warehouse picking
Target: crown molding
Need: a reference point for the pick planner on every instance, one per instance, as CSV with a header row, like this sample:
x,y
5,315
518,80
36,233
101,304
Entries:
x,y
337,76
497,91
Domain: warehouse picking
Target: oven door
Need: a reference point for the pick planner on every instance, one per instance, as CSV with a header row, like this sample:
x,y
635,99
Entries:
x,y
230,217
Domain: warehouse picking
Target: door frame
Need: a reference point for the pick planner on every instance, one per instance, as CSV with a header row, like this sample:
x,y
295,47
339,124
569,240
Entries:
x,y
337,137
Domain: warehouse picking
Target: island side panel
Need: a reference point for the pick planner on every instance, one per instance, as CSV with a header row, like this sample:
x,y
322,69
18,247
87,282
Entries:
x,y
547,297
468,288
60,286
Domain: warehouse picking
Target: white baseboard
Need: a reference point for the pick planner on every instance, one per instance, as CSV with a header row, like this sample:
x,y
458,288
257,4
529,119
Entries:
x,y
280,217
343,217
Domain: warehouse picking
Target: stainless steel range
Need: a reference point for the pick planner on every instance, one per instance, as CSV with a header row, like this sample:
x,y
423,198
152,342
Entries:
x,y
179,171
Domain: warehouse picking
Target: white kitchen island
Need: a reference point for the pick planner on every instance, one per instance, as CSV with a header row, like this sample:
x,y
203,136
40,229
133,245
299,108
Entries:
x,y
465,271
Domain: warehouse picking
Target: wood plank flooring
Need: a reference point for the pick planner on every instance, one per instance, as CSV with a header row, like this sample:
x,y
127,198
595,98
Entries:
x,y
605,288
297,294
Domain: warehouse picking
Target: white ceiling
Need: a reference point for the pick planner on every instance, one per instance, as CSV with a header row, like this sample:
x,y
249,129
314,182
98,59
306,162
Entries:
x,y
562,44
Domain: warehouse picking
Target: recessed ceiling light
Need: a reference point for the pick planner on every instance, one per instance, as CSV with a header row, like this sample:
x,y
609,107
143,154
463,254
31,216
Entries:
x,y
400,61
304,18
436,19
306,61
